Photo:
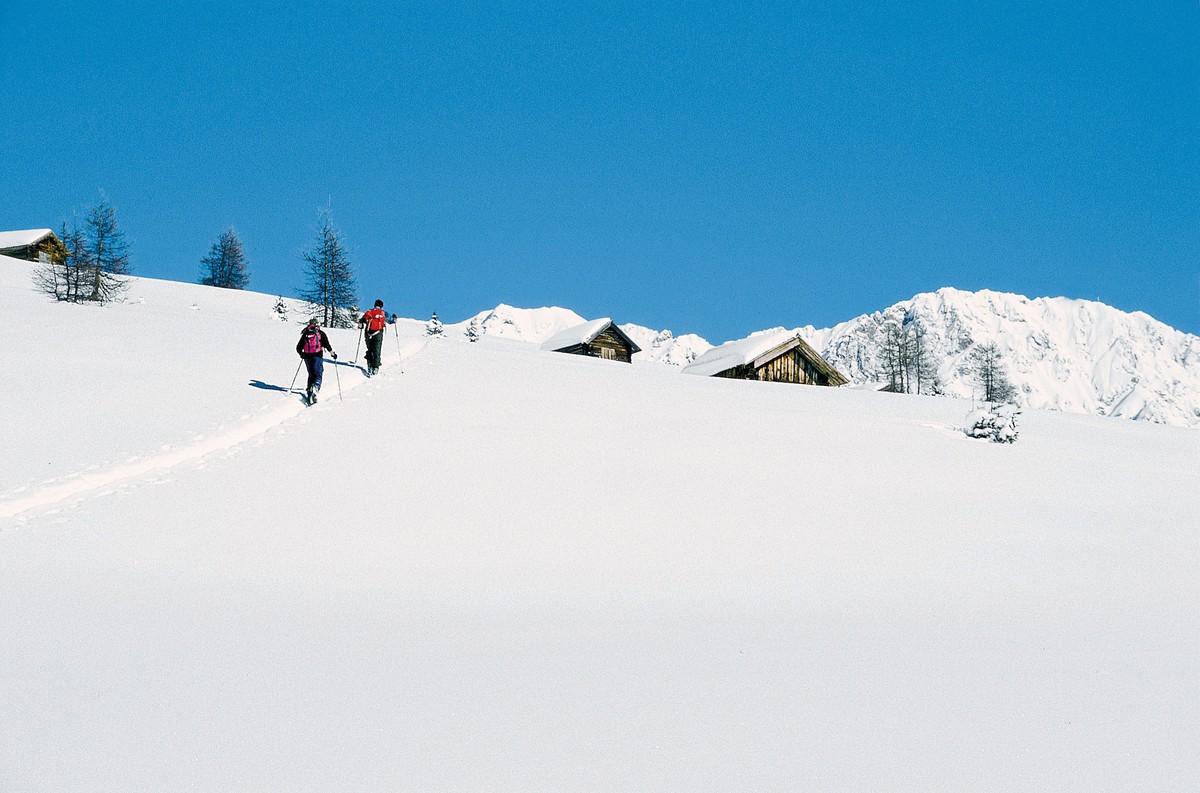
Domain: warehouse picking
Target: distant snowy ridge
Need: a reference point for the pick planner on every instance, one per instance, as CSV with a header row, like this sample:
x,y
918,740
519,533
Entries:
x,y
1077,356
538,325
534,325
662,346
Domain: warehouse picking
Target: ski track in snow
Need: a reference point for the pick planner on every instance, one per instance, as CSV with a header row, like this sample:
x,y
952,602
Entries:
x,y
101,481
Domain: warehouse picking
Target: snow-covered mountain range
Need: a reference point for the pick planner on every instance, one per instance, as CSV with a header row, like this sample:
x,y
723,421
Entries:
x,y
533,325
1077,356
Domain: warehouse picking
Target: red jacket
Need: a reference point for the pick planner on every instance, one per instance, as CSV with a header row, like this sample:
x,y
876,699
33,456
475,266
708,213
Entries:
x,y
374,319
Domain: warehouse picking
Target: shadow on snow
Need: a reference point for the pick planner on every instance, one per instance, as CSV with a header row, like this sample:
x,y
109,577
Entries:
x,y
268,386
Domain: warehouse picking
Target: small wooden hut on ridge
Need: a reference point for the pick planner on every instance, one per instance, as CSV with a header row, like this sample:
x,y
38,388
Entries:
x,y
599,338
32,245
779,357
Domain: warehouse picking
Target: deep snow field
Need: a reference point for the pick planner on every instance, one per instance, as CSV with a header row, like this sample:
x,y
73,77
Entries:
x,y
505,569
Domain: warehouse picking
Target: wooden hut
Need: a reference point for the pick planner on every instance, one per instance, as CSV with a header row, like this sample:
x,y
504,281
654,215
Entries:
x,y
781,357
599,338
32,245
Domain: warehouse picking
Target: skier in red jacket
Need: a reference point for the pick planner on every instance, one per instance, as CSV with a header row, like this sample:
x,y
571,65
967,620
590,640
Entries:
x,y
373,323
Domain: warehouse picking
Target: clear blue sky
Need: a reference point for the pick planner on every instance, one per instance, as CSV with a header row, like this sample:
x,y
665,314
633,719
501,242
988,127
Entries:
x,y
714,168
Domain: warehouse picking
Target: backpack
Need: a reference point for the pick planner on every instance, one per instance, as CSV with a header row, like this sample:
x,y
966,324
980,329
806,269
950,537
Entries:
x,y
312,341
376,319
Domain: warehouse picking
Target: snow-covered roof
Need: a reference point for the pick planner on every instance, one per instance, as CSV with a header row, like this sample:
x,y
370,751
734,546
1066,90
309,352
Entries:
x,y
739,353
755,351
23,238
585,334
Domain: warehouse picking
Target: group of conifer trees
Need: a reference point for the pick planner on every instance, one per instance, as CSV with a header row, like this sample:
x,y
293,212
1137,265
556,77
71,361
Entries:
x,y
93,259
330,287
894,349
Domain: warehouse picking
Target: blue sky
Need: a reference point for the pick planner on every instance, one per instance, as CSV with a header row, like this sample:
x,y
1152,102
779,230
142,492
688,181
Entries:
x,y
714,168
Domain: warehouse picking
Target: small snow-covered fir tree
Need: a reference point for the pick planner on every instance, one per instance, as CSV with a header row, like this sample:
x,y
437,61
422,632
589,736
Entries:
x,y
434,326
473,331
996,422
281,309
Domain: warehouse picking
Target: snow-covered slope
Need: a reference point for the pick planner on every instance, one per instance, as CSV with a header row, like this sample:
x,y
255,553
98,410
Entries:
x,y
496,568
1078,356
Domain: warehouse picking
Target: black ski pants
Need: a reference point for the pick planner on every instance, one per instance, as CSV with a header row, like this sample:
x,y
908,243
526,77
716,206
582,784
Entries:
x,y
374,347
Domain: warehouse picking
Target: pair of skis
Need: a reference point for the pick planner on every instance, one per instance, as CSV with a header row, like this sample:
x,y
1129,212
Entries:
x,y
310,395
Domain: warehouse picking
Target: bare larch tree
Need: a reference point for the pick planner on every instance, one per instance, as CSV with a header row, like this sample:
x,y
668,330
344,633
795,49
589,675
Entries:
x,y
988,368
68,274
107,251
331,287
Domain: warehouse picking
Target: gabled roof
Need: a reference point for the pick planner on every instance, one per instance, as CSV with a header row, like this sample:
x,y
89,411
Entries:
x,y
757,350
22,239
586,334
738,353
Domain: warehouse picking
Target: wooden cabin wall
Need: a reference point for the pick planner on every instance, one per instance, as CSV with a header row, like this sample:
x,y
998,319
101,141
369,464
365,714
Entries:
x,y
28,253
815,376
738,373
791,367
53,248
610,341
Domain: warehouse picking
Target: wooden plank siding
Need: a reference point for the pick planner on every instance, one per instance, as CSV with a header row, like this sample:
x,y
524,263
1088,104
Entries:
x,y
789,365
611,347
738,373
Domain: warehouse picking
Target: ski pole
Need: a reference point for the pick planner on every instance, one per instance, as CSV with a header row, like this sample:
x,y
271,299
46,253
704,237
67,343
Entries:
x,y
337,375
361,331
398,352
297,374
